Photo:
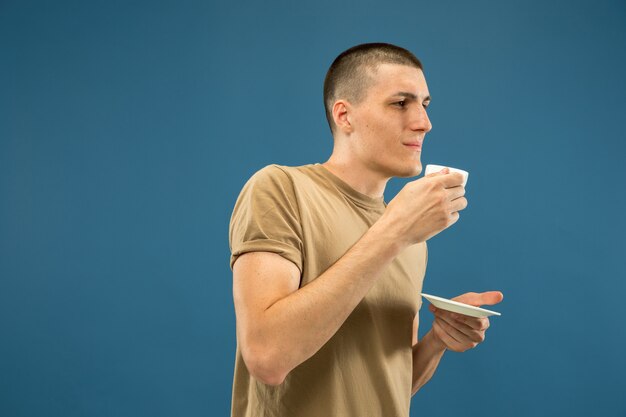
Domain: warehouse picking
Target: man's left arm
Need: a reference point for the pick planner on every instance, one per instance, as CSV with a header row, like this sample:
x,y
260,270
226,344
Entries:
x,y
450,331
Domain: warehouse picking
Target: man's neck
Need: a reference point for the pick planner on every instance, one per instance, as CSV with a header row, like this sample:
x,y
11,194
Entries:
x,y
356,176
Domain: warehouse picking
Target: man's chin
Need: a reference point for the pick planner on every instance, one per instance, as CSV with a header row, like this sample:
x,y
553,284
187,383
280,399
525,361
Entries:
x,y
413,171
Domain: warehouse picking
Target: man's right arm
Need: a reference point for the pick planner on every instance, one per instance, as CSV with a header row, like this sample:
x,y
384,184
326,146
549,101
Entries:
x,y
279,325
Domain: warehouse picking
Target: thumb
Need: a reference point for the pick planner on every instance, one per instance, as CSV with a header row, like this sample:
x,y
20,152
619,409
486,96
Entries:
x,y
479,299
435,174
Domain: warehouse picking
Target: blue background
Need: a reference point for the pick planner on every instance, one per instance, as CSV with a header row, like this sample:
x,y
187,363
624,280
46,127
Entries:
x,y
127,130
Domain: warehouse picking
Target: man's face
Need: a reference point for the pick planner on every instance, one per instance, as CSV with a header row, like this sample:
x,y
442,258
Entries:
x,y
391,121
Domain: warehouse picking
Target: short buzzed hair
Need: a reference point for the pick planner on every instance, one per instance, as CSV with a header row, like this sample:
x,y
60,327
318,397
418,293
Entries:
x,y
349,76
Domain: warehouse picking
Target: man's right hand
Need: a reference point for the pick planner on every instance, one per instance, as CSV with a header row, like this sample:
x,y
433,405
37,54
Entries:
x,y
425,207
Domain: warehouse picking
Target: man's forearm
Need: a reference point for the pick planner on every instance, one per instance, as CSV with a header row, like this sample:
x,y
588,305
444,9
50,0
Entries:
x,y
426,356
294,328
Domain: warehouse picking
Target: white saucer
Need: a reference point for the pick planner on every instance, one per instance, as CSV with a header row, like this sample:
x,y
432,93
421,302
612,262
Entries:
x,y
461,308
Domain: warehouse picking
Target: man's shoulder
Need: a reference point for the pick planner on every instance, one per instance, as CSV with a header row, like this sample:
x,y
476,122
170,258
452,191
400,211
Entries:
x,y
277,169
275,173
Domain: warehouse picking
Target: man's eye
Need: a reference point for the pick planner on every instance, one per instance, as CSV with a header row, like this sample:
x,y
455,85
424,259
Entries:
x,y
401,103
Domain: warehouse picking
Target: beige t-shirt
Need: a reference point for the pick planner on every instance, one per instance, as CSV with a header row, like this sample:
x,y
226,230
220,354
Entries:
x,y
310,217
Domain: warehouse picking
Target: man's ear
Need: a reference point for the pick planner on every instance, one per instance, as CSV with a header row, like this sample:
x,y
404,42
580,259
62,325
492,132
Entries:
x,y
341,112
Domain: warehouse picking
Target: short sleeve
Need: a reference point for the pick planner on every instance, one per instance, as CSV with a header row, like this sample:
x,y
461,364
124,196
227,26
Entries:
x,y
266,217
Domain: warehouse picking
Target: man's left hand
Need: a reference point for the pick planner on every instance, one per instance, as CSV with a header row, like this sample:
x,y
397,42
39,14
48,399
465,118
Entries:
x,y
458,332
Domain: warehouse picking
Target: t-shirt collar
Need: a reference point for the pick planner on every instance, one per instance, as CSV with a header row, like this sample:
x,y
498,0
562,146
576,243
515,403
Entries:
x,y
357,197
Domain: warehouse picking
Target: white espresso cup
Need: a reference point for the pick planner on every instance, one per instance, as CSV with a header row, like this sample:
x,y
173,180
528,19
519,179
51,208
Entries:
x,y
436,168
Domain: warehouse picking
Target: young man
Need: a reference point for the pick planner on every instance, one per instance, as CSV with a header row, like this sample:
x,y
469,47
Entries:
x,y
327,276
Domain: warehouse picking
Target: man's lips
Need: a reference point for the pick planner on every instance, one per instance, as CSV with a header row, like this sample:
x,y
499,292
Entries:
x,y
414,145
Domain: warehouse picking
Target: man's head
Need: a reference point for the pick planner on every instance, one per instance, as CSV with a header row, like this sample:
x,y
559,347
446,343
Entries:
x,y
352,72
375,97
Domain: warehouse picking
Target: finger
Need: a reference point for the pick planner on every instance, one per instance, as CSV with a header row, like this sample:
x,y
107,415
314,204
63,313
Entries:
x,y
457,340
458,204
469,333
455,192
453,218
466,336
455,333
445,337
451,320
453,179
478,299
476,323
438,173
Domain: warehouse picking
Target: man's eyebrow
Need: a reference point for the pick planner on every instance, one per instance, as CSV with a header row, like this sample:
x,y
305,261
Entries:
x,y
409,95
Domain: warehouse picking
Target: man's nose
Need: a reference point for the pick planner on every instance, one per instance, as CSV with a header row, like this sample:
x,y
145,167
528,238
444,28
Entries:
x,y
420,120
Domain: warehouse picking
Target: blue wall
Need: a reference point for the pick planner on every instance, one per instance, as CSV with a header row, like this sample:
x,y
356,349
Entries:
x,y
127,131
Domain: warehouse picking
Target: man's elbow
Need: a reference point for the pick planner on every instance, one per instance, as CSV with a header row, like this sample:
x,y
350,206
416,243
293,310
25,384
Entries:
x,y
264,366
272,379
